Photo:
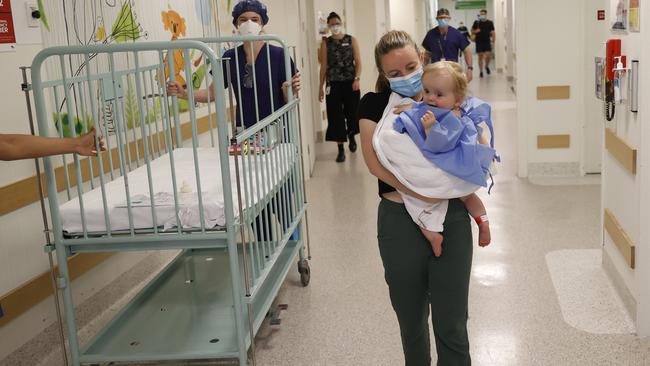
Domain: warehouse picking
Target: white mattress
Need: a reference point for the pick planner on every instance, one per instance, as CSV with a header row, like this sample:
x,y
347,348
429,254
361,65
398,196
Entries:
x,y
211,186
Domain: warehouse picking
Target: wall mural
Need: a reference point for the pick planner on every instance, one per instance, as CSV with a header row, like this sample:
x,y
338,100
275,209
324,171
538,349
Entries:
x,y
90,22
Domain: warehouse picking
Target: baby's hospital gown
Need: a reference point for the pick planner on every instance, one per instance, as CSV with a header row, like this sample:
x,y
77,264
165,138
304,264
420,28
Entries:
x,y
451,145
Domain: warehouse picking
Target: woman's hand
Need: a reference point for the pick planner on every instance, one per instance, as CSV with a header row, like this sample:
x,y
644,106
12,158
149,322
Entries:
x,y
86,144
356,85
321,95
174,88
402,108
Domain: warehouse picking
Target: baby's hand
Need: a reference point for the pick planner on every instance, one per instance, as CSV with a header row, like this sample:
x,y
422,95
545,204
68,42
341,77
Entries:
x,y
428,120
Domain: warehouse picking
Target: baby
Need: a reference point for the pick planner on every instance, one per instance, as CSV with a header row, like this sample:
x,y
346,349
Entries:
x,y
452,142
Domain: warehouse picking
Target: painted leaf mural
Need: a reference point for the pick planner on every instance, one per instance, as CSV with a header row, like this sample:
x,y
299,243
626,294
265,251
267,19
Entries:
x,y
126,27
41,10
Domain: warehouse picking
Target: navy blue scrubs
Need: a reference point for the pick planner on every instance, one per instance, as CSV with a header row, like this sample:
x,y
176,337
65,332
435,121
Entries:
x,y
242,79
445,46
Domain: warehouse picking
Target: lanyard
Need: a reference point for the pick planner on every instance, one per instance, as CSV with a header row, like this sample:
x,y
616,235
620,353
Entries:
x,y
442,52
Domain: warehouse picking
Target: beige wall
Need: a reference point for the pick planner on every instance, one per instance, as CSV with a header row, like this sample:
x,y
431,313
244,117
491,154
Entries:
x,y
544,66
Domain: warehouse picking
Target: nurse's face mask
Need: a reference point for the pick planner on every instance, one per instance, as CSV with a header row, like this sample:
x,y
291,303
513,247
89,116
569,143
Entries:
x,y
249,27
443,21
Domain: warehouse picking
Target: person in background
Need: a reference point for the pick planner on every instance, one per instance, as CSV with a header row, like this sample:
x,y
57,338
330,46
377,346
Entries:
x,y
483,30
341,68
250,17
444,43
15,147
255,98
464,31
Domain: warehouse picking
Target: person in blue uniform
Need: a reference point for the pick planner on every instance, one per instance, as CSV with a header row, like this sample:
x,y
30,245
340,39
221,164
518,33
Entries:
x,y
445,43
250,17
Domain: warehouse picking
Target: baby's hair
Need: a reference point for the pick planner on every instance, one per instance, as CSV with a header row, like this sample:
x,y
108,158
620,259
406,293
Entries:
x,y
452,69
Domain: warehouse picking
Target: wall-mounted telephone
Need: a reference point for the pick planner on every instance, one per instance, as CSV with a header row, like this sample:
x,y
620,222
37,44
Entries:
x,y
612,52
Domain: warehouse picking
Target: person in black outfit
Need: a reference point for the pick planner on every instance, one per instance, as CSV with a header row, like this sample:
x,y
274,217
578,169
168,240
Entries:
x,y
483,30
341,68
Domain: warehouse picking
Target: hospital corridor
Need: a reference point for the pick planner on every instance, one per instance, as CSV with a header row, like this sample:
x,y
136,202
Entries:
x,y
325,183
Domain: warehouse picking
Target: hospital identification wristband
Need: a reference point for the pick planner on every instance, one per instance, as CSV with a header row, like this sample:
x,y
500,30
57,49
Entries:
x,y
481,219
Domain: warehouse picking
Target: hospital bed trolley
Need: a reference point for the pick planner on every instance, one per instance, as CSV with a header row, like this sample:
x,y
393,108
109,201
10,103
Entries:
x,y
231,200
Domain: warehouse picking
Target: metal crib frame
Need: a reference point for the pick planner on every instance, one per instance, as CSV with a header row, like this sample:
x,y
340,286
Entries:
x,y
184,313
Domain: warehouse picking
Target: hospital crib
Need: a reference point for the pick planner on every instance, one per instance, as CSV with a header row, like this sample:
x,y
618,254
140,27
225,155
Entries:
x,y
231,200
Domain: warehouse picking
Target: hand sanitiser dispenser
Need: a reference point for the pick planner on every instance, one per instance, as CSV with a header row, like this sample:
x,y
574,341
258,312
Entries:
x,y
618,75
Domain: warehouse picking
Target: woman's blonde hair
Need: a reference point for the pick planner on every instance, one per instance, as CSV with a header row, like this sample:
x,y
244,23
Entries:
x,y
390,41
454,70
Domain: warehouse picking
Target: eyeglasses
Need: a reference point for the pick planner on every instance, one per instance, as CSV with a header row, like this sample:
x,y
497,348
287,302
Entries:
x,y
248,76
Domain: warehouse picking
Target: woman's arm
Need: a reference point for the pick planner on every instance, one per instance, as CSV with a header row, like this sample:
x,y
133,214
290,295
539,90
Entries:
x,y
367,128
357,65
14,147
322,56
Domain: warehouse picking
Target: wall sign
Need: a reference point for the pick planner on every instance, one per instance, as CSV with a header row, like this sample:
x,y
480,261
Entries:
x,y
7,31
601,14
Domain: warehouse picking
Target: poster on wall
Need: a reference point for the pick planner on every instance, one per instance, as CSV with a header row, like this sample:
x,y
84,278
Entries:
x,y
620,21
634,15
7,31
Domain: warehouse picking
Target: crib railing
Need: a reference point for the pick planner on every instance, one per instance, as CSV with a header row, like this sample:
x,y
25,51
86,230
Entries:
x,y
120,91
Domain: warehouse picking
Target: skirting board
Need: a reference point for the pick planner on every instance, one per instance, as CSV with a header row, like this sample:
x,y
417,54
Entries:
x,y
619,285
553,92
621,151
621,239
23,298
553,141
554,170
25,192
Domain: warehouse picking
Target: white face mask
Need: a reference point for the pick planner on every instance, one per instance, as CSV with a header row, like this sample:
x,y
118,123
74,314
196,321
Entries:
x,y
249,28
336,29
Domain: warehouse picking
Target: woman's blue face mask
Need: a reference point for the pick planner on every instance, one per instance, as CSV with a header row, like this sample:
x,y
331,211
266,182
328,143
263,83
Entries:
x,y
409,85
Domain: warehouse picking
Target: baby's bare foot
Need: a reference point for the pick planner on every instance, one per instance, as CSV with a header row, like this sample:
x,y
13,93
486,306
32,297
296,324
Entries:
x,y
435,239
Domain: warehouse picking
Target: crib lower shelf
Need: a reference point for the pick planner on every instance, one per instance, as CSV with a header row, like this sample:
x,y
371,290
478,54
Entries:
x,y
186,312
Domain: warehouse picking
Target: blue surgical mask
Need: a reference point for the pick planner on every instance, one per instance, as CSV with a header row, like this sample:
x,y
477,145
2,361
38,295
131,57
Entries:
x,y
443,22
409,85
482,17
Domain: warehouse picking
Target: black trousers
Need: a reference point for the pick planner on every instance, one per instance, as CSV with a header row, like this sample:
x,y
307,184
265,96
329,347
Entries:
x,y
416,280
342,116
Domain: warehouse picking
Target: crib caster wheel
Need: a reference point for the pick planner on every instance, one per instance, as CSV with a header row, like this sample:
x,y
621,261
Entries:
x,y
305,272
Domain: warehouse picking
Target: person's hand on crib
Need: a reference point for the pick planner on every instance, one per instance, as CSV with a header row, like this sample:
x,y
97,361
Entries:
x,y
86,144
174,88
428,120
295,87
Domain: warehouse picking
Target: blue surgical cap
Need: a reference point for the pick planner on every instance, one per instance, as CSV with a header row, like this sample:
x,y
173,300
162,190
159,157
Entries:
x,y
249,5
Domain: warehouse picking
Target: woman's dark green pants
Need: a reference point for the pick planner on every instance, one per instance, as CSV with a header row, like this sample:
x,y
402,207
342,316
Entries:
x,y
417,279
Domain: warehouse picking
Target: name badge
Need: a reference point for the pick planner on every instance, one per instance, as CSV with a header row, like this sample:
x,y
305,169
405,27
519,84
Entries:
x,y
345,44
